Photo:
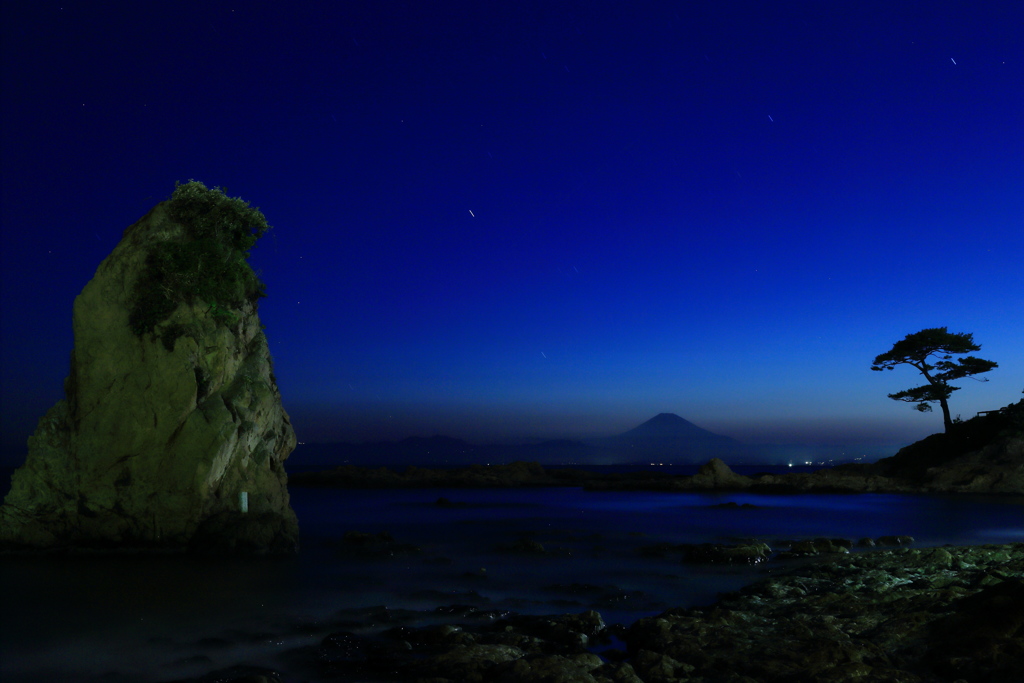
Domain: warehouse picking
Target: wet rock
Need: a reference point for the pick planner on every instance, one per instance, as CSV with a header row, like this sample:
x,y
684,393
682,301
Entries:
x,y
817,546
469,663
717,553
983,639
431,637
894,540
553,669
572,631
618,672
654,667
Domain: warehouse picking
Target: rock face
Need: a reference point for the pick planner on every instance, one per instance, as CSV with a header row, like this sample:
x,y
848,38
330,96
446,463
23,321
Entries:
x,y
162,435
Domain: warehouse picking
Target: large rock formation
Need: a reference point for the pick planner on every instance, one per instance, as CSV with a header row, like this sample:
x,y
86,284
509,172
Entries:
x,y
172,434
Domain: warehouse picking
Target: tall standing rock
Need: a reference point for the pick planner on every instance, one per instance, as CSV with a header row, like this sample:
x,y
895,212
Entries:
x,y
172,434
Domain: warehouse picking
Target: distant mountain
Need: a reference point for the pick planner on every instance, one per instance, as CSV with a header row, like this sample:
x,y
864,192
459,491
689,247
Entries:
x,y
670,438
669,427
664,438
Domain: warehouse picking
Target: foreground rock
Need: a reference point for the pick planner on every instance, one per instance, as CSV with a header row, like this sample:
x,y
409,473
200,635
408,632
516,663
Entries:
x,y
940,614
172,434
909,615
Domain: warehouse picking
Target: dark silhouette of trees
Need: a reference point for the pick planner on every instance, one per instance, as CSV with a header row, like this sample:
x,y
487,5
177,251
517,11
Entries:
x,y
931,352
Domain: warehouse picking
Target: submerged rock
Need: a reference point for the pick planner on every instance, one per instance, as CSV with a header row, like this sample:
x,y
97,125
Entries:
x,y
171,434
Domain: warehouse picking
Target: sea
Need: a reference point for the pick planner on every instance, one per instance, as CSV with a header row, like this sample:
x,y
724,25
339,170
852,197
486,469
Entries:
x,y
431,553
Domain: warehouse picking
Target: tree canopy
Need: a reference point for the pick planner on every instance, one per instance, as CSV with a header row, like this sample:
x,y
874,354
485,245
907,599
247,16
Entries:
x,y
931,351
207,263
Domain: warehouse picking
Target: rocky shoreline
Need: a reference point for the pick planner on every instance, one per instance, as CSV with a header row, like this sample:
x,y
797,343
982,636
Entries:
x,y
902,614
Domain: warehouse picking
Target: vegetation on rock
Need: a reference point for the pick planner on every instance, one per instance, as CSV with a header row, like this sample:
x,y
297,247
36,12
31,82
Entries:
x,y
206,264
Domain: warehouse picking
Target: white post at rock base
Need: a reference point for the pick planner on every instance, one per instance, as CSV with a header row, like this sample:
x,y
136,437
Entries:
x,y
243,501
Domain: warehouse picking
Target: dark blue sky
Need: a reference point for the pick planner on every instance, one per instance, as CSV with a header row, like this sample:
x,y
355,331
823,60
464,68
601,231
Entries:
x,y
542,218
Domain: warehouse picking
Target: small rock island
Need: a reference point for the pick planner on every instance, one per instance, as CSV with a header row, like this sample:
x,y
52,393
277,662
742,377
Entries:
x,y
171,435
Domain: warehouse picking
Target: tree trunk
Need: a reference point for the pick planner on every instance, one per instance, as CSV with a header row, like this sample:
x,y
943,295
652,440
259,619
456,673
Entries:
x,y
947,422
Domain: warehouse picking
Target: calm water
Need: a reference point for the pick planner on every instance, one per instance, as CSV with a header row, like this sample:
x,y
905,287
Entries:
x,y
152,619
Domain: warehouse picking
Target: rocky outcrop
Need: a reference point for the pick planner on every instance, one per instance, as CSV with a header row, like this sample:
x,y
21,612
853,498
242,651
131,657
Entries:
x,y
982,455
996,468
172,433
715,474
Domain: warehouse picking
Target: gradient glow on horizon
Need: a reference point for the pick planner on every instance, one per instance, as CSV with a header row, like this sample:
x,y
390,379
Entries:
x,y
542,219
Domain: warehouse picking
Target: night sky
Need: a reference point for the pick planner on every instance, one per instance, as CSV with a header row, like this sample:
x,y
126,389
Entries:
x,y
547,219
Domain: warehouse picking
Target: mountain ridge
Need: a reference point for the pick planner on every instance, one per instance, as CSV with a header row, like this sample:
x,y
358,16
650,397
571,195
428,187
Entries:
x,y
667,435
664,436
